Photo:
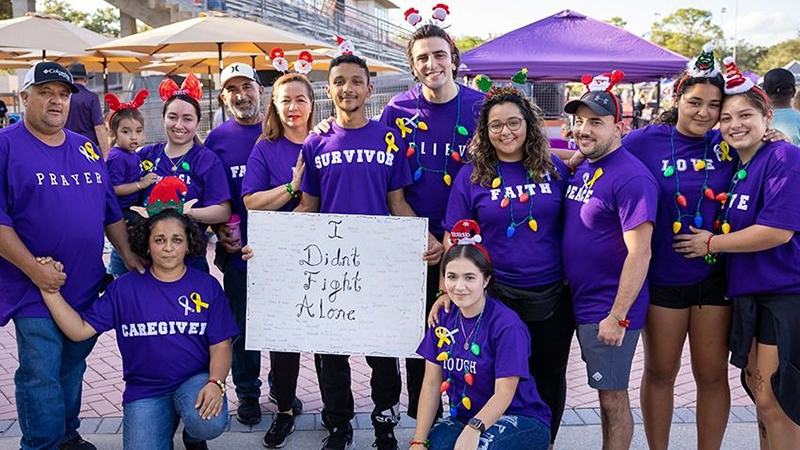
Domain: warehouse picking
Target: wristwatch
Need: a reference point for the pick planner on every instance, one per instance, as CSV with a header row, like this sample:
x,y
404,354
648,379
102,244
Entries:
x,y
219,383
477,424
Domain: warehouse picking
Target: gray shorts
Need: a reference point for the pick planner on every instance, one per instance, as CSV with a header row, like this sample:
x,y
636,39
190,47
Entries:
x,y
607,366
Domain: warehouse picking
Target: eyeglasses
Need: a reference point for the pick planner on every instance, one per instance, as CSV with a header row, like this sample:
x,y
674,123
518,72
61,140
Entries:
x,y
513,124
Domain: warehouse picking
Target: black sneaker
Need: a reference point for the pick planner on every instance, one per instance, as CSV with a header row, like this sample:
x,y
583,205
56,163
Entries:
x,y
76,443
339,439
282,426
193,445
385,439
249,411
297,404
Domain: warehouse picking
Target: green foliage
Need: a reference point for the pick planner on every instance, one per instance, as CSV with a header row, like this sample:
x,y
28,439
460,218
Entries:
x,y
748,56
103,21
685,31
617,22
465,43
5,9
780,54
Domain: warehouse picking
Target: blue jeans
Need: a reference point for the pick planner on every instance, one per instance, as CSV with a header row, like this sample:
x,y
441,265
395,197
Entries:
x,y
150,423
246,366
116,266
48,382
508,433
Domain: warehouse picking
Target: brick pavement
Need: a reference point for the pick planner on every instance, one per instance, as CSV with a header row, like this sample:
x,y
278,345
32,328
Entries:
x,y
103,385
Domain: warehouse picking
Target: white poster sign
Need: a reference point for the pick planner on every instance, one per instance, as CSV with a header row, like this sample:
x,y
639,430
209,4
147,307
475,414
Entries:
x,y
338,284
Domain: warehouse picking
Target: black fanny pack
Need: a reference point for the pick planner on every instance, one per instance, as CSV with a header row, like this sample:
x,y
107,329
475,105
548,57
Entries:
x,y
532,305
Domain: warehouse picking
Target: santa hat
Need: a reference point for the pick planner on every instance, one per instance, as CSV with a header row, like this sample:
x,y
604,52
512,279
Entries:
x,y
468,232
413,16
735,82
345,46
602,82
440,12
278,59
303,63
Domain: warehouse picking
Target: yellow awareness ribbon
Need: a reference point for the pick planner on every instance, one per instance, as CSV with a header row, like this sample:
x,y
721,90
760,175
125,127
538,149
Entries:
x,y
726,150
401,125
390,145
597,174
147,165
199,304
444,335
90,150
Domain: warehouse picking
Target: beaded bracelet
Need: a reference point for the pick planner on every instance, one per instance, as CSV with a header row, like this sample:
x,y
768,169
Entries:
x,y
291,191
710,258
426,443
624,323
439,293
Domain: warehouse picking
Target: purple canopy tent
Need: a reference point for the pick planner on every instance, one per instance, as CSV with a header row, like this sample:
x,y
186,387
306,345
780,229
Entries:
x,y
567,45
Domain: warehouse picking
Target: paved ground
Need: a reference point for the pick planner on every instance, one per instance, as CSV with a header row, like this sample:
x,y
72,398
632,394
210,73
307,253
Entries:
x,y
102,394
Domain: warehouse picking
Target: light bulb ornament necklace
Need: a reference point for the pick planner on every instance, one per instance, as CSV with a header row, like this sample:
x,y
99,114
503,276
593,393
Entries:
x,y
416,123
499,181
474,349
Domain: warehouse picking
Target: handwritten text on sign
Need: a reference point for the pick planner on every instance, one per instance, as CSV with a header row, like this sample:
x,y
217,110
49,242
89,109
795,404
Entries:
x,y
341,284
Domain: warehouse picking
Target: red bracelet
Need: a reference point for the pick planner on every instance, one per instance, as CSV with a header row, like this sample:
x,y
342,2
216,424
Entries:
x,y
708,244
426,443
624,323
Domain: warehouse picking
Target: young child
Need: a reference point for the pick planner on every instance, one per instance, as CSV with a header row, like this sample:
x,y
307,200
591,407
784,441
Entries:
x,y
124,166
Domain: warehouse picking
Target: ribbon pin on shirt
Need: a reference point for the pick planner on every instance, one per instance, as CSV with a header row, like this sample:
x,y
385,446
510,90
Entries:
x,y
444,335
199,304
184,301
401,125
597,174
87,150
390,145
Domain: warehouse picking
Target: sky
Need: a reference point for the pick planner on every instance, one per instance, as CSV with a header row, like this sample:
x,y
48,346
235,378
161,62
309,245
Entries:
x,y
762,22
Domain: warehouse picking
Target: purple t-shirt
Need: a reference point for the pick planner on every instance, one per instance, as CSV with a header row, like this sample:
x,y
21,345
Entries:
x,y
427,196
352,170
84,113
124,167
232,142
271,165
505,346
770,196
653,146
526,259
595,217
58,200
162,337
203,173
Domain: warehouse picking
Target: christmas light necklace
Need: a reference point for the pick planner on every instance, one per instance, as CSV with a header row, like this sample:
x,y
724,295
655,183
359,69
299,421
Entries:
x,y
499,181
705,191
412,147
469,379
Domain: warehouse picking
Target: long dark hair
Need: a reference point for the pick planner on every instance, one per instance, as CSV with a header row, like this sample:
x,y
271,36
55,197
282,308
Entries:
x,y
140,234
474,255
670,116
535,149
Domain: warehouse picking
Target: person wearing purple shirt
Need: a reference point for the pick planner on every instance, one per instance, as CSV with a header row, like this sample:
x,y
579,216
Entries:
x,y
85,112
478,354
448,112
357,168
609,211
232,142
514,188
759,238
56,199
272,183
173,328
183,156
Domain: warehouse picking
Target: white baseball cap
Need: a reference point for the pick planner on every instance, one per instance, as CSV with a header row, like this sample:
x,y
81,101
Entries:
x,y
238,70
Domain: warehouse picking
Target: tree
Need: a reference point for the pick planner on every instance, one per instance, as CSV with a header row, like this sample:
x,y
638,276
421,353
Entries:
x,y
103,21
780,54
465,43
617,22
748,56
5,9
685,31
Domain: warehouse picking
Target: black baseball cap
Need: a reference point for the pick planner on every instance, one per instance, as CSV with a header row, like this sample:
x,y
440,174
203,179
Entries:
x,y
601,102
778,81
47,71
78,71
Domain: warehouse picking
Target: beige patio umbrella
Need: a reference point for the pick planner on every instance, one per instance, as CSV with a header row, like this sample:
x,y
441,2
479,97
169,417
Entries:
x,y
44,33
212,33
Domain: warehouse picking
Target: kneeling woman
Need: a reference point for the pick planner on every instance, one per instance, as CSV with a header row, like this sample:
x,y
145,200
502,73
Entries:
x,y
173,328
478,354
